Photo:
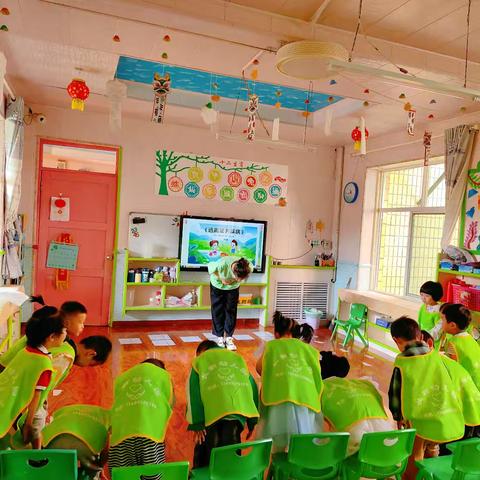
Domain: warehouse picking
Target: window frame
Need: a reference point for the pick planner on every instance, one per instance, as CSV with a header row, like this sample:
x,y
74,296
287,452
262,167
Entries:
x,y
412,211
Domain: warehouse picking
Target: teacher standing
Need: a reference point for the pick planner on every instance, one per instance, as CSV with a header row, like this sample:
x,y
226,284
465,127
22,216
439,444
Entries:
x,y
226,275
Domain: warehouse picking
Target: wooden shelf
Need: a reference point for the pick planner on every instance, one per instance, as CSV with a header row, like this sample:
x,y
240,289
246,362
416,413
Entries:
x,y
459,274
311,267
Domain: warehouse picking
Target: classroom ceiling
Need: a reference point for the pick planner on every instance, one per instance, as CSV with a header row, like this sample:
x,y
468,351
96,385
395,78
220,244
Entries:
x,y
50,42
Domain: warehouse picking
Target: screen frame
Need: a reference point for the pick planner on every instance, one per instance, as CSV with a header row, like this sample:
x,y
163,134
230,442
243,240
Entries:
x,y
200,217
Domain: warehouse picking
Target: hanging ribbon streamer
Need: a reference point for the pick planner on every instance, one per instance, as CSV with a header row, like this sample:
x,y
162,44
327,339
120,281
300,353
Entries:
x,y
116,92
276,129
411,122
161,88
363,137
427,144
252,115
327,127
62,276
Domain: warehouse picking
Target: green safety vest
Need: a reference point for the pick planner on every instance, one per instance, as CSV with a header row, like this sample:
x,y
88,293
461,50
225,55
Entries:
x,y
429,399
468,355
65,350
225,386
17,386
427,320
291,373
142,405
88,423
468,393
347,402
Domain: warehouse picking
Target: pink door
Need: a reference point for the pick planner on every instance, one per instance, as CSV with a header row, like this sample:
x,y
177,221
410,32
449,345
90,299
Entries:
x,y
91,226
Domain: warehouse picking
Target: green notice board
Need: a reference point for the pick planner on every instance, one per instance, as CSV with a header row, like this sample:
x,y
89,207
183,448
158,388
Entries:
x,y
62,255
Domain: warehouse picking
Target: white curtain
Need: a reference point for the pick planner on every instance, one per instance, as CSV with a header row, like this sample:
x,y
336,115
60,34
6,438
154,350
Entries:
x,y
3,64
13,235
458,151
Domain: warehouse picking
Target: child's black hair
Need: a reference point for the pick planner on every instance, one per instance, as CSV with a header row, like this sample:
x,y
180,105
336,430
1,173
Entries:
x,y
102,346
303,332
426,337
332,365
71,307
205,345
37,299
406,329
40,328
156,362
434,289
282,325
457,314
242,268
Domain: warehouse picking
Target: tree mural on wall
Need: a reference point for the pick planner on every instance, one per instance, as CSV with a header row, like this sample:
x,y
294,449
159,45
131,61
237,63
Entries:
x,y
167,162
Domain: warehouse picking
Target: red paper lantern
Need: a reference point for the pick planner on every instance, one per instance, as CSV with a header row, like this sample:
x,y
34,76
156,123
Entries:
x,y
60,202
79,92
357,137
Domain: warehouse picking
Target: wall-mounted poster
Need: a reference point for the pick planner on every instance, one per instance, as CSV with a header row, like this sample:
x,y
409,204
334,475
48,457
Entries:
x,y
470,219
213,178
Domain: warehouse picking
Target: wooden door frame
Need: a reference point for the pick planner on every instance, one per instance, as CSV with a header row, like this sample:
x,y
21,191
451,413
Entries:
x,y
41,141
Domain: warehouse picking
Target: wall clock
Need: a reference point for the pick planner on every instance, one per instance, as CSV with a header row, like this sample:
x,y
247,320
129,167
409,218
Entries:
x,y
350,192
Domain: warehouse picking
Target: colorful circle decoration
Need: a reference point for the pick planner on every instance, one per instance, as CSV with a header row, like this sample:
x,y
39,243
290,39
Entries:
x,y
234,179
266,178
227,193
191,189
243,195
260,195
175,184
275,190
251,181
209,191
215,175
195,174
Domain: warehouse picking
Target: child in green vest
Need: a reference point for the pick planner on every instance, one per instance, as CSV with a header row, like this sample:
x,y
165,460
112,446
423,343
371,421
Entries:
x,y
291,386
461,346
353,406
429,314
222,398
25,383
83,428
422,393
140,414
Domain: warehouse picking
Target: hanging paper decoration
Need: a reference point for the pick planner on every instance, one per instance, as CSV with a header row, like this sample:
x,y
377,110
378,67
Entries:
x,y
79,92
407,107
365,104
277,105
432,101
463,109
165,55
431,116
363,137
215,98
252,115
161,88
116,92
256,61
62,276
411,122
333,82
209,114
276,129
330,99
427,145
166,38
59,209
357,138
402,96
327,128
116,38
5,11
4,28
366,90
278,93
254,74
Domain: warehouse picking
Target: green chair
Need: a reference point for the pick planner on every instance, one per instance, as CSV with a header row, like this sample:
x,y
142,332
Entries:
x,y
311,457
168,471
381,455
464,464
356,322
38,464
234,463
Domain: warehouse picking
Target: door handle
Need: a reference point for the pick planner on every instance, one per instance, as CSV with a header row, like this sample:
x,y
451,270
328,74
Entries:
x,y
109,257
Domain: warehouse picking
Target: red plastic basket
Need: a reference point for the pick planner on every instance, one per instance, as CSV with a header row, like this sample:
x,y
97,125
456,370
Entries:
x,y
467,296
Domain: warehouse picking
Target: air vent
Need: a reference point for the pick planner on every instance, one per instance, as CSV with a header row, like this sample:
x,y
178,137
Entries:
x,y
292,297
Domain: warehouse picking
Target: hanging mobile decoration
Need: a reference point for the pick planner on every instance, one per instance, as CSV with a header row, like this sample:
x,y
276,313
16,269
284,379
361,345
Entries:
x,y
252,116
276,129
333,82
330,99
366,90
161,88
363,137
4,28
166,38
431,116
357,138
411,122
116,92
327,127
433,101
402,96
427,145
79,92
277,105
116,38
5,11
165,55
365,104
407,107
254,74
209,114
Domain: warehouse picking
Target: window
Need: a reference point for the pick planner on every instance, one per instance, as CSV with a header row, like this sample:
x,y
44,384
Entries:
x,y
409,220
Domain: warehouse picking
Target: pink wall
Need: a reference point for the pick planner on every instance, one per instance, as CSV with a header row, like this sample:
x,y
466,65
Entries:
x,y
310,188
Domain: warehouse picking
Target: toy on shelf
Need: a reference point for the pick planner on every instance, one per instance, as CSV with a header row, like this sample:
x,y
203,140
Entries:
x,y
173,274
157,299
